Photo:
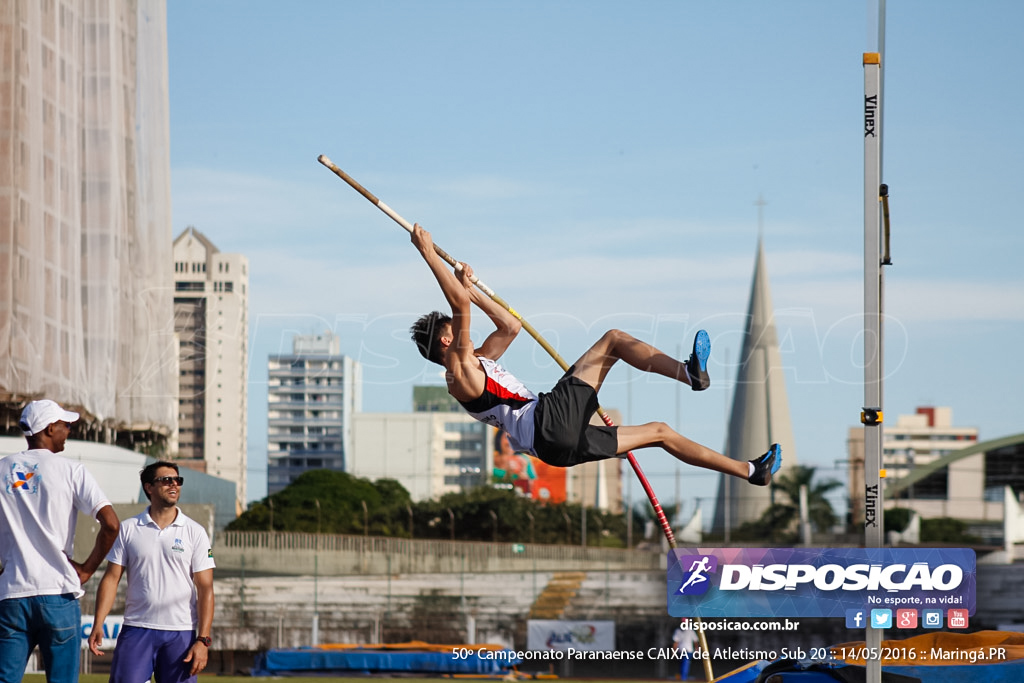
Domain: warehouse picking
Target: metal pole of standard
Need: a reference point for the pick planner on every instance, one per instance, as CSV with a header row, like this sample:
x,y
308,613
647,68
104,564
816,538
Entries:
x,y
871,415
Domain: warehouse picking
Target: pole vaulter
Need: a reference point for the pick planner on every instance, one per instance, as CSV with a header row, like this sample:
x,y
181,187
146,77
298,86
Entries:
x,y
658,511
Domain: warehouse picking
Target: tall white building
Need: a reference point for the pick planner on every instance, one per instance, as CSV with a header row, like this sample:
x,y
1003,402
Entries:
x,y
429,453
211,322
85,216
313,395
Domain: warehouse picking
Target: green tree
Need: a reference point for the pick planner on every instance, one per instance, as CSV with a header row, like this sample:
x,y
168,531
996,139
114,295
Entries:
x,y
644,518
946,530
778,522
340,497
484,513
897,519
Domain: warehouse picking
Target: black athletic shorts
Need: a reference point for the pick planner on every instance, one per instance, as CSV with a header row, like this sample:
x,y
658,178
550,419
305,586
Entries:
x,y
562,433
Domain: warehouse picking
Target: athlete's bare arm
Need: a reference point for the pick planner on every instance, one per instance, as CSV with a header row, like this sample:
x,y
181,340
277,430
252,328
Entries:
x,y
464,375
506,325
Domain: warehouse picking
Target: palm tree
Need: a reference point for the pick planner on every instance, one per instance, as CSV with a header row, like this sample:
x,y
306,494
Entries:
x,y
819,510
778,521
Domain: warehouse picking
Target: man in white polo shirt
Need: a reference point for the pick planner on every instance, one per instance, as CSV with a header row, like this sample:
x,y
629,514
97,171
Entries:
x,y
41,494
168,610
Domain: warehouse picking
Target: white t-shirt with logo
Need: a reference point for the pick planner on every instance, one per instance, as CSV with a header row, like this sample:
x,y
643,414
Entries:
x,y
41,494
159,563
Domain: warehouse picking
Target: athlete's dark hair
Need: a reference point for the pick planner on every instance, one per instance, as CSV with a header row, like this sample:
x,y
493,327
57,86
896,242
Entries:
x,y
426,332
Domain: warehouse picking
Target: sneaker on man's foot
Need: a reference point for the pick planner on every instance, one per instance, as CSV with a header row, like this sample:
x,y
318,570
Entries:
x,y
697,365
765,466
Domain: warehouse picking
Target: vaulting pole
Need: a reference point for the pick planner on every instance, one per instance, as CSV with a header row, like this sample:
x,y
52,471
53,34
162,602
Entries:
x,y
658,511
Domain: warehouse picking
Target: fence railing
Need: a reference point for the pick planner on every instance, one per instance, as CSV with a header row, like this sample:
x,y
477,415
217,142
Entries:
x,y
275,543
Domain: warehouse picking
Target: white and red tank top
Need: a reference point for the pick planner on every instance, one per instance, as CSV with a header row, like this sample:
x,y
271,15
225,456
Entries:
x,y
506,403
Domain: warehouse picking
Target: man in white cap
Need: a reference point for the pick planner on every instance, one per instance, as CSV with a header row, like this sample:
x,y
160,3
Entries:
x,y
41,494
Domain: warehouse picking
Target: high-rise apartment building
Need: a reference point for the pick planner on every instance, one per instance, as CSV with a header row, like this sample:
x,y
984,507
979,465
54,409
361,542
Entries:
x,y
312,395
85,222
914,441
211,323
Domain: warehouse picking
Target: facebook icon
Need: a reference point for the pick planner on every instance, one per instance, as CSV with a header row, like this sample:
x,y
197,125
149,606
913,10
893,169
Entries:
x,y
855,618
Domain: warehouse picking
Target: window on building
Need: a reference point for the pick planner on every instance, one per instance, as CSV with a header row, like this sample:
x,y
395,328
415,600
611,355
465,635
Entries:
x,y
1004,467
463,445
933,487
466,463
473,427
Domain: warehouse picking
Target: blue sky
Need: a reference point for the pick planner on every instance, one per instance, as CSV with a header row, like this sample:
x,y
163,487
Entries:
x,y
598,164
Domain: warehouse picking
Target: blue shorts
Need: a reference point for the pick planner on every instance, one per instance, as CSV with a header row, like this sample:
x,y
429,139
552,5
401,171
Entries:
x,y
141,652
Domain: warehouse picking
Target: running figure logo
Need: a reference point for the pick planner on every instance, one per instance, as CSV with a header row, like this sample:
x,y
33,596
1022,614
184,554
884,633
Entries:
x,y
695,581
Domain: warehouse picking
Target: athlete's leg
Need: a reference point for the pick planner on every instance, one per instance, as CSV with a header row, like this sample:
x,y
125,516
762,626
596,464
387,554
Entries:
x,y
593,366
692,453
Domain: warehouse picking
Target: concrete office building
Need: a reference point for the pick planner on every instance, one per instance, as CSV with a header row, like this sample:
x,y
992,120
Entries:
x,y
313,395
915,443
429,453
211,323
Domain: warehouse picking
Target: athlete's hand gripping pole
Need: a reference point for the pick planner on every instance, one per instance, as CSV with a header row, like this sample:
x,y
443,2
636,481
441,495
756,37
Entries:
x,y
658,511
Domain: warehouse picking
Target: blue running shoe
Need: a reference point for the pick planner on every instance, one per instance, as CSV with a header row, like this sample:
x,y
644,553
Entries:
x,y
697,365
765,466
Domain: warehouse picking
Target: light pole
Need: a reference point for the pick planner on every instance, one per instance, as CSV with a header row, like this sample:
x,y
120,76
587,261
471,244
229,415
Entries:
x,y
316,501
316,576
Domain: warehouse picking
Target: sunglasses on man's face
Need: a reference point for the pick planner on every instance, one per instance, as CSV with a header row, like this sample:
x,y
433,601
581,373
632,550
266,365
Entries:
x,y
167,481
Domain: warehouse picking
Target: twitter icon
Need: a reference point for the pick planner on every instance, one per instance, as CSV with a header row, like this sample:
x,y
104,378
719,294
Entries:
x,y
881,618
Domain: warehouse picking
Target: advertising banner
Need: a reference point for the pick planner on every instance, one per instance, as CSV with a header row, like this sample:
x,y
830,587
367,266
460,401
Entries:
x,y
817,582
570,635
111,628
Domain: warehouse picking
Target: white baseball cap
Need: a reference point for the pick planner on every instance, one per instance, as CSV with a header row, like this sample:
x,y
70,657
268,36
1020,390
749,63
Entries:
x,y
38,415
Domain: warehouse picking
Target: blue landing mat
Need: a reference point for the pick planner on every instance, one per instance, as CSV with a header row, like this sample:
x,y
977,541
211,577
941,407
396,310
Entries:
x,y
314,661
